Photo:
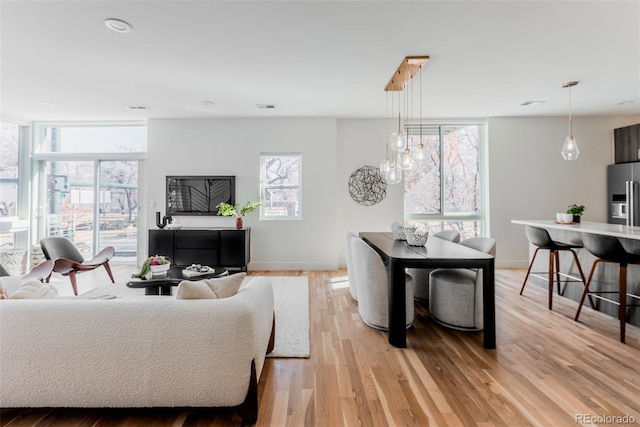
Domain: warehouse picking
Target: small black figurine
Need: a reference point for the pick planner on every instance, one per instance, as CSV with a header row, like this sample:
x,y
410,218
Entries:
x,y
165,220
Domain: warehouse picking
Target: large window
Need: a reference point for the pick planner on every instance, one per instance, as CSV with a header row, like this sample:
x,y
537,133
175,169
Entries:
x,y
445,191
9,154
281,186
89,176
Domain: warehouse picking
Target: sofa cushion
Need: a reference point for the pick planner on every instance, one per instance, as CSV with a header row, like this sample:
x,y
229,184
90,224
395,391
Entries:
x,y
194,290
34,289
224,287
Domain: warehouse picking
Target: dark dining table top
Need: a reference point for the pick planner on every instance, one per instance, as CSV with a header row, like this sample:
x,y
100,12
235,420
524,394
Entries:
x,y
434,249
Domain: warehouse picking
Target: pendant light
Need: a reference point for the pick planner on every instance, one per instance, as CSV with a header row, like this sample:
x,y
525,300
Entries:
x,y
397,138
570,149
399,142
420,154
407,161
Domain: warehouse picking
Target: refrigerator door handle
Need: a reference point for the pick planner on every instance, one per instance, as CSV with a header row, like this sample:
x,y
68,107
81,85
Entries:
x,y
626,190
629,187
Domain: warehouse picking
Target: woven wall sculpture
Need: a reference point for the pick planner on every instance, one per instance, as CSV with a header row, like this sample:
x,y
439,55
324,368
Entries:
x,y
367,186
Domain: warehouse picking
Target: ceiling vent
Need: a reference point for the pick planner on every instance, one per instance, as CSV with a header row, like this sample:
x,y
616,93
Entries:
x,y
137,107
265,106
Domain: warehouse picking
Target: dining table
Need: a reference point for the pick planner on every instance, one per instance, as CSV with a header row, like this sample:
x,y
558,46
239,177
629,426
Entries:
x,y
398,255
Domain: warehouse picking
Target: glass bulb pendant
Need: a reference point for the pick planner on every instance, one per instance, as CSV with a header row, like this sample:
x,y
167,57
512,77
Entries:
x,y
397,141
395,175
570,149
420,153
407,160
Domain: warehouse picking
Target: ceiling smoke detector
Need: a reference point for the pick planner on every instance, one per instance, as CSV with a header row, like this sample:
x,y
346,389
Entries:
x,y
118,25
265,106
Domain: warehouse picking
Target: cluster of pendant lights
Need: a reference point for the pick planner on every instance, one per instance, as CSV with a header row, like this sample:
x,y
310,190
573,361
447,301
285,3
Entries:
x,y
403,154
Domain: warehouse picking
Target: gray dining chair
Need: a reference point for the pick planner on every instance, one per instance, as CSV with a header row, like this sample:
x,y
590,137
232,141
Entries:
x,y
373,287
455,294
420,276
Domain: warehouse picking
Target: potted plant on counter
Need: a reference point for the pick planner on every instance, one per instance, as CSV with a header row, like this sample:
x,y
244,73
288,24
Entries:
x,y
227,209
576,211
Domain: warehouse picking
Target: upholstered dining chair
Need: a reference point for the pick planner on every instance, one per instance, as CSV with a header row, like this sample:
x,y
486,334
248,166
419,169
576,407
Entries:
x,y
420,276
455,294
68,260
348,235
373,286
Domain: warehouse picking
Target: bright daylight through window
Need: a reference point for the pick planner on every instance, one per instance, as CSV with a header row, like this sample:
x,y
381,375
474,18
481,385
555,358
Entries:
x,y
281,186
445,190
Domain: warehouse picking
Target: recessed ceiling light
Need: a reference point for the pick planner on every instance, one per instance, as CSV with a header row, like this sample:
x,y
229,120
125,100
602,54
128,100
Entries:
x,y
207,103
531,103
265,106
625,102
136,107
118,25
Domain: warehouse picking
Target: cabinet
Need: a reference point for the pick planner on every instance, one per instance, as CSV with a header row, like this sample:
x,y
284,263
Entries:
x,y
220,247
627,144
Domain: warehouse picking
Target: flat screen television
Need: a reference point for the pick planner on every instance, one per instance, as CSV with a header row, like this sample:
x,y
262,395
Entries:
x,y
199,195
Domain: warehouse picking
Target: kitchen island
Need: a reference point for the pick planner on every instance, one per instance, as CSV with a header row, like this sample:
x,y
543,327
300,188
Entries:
x,y
606,276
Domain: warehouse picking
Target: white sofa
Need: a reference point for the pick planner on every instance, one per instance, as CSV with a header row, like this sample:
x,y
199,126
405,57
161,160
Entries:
x,y
143,352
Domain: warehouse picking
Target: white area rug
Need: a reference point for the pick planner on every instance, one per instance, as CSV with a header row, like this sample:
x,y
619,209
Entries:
x,y
291,300
291,296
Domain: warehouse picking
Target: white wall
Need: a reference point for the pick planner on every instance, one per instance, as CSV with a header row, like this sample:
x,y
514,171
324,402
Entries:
x,y
527,178
233,147
530,180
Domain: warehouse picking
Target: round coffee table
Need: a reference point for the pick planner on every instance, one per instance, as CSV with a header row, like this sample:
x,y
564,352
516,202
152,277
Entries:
x,y
161,285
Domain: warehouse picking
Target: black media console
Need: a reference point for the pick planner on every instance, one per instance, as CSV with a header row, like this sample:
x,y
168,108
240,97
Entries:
x,y
214,247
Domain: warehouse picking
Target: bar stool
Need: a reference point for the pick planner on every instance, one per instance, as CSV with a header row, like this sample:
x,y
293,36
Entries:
x,y
540,237
609,249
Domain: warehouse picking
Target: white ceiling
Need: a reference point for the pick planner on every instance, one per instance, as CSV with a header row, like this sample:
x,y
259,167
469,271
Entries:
x,y
315,58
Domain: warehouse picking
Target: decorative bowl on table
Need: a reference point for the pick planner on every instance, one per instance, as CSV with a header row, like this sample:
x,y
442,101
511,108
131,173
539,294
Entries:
x,y
397,230
418,237
159,269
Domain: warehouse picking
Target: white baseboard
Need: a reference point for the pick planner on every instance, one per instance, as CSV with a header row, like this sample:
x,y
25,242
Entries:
x,y
292,266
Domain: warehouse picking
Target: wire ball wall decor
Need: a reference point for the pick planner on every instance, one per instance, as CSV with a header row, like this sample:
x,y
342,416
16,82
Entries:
x,y
367,186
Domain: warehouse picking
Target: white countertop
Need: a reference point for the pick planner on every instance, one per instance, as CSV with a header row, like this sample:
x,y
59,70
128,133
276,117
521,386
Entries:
x,y
615,230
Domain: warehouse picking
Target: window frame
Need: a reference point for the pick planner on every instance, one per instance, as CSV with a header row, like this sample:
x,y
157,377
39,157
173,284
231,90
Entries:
x,y
264,187
482,215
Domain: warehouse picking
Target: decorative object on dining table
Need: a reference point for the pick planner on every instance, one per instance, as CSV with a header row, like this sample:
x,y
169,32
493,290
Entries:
x,y
576,211
154,266
227,209
397,230
418,237
367,186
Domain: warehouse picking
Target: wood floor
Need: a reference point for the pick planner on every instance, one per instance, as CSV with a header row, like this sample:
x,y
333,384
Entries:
x,y
547,370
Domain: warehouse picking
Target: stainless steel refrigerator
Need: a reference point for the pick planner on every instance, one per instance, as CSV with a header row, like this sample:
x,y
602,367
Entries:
x,y
623,181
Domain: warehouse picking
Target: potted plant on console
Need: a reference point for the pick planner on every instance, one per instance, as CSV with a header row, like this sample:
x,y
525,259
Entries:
x,y
226,209
576,211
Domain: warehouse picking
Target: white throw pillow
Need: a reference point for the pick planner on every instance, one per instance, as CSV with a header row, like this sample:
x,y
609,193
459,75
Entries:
x,y
194,290
34,289
224,287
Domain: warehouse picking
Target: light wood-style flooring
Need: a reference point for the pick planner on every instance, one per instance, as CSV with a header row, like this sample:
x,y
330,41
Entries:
x,y
547,370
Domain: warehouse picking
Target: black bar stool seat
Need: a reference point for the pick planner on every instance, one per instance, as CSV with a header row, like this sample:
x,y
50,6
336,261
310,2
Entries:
x,y
540,238
609,249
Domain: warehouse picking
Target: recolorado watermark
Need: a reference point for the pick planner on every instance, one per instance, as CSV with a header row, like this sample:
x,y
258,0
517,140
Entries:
x,y
605,419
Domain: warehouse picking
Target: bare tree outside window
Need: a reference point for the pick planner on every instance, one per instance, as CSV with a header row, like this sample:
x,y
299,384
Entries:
x,y
281,190
445,190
